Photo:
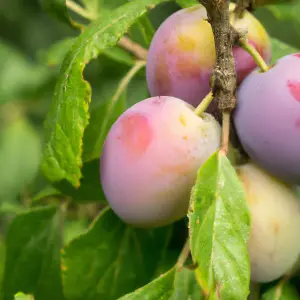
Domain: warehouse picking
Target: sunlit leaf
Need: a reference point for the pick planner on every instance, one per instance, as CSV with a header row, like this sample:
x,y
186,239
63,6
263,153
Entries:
x,y
219,228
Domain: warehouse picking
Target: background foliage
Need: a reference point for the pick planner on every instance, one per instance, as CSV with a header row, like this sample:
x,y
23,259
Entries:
x,y
56,241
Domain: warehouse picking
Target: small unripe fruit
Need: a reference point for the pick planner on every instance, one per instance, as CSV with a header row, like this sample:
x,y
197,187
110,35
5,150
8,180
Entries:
x,y
151,157
267,118
274,244
182,54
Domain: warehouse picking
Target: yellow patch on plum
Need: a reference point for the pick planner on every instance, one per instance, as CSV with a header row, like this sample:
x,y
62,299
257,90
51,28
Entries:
x,y
182,120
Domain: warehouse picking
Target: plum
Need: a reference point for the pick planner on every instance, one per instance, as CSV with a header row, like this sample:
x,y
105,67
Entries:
x,y
150,160
274,244
182,54
267,118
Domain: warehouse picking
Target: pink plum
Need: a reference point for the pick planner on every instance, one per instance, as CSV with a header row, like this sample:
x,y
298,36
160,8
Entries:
x,y
267,118
150,160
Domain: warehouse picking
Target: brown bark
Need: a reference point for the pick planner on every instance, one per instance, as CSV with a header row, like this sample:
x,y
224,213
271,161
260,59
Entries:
x,y
223,79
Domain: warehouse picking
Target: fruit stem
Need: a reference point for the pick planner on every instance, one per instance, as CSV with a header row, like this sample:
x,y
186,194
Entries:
x,y
225,131
255,54
184,254
201,108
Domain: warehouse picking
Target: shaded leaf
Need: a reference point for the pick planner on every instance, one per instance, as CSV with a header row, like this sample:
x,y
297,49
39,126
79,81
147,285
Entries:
x,y
147,29
32,255
69,113
90,189
114,257
284,291
58,9
173,285
160,288
119,55
219,229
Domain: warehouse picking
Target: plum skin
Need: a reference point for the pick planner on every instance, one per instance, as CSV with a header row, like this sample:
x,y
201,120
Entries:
x,y
274,244
182,55
267,118
150,160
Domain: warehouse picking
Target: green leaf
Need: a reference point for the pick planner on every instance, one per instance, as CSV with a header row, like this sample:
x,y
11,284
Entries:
x,y
32,255
73,228
146,29
186,3
48,191
55,55
2,262
219,229
114,258
20,152
186,286
284,291
280,49
11,208
173,285
21,296
69,116
160,288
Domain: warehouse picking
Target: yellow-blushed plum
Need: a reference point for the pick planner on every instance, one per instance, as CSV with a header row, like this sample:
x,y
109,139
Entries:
x,y
182,54
274,244
150,160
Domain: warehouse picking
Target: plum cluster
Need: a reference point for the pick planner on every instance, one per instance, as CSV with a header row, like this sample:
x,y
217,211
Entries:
x,y
153,151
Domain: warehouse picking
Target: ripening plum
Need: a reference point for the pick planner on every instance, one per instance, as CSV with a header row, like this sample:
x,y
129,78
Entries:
x,y
274,244
150,160
267,118
182,54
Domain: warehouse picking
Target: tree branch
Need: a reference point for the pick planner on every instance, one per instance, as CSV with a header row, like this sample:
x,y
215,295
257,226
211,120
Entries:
x,y
135,48
223,79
